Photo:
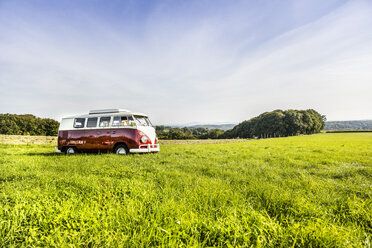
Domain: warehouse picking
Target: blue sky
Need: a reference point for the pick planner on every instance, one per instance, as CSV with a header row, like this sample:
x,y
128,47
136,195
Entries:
x,y
186,61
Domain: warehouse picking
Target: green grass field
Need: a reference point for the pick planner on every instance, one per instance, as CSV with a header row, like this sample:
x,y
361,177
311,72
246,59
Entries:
x,y
307,191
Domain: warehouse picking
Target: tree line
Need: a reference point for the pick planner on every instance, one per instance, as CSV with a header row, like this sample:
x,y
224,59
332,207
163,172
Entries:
x,y
175,133
277,123
27,125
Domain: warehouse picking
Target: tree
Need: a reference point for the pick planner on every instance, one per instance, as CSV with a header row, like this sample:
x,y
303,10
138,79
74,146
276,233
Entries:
x,y
279,123
27,125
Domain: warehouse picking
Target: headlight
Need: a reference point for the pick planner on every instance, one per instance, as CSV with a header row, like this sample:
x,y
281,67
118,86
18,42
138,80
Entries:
x,y
143,139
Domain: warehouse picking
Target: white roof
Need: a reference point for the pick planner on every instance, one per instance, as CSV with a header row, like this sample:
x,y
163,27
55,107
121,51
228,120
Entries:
x,y
106,112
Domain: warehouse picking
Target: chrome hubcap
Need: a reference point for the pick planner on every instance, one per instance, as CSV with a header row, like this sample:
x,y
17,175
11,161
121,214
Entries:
x,y
70,151
121,150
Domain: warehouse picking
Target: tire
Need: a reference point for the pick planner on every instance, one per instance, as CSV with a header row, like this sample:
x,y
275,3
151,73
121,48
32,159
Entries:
x,y
70,150
121,150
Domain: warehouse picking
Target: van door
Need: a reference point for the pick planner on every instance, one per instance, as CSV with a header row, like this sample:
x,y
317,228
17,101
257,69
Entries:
x,y
103,134
76,137
90,134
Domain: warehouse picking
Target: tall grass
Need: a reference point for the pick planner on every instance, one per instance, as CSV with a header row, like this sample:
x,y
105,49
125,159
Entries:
x,y
307,191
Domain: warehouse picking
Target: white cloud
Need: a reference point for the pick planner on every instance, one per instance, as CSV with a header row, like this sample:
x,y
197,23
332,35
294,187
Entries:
x,y
216,67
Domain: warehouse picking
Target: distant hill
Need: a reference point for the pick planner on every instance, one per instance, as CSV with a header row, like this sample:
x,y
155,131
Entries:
x,y
223,126
329,125
213,126
348,125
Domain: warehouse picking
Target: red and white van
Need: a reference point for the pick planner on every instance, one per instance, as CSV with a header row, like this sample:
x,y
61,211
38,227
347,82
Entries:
x,y
117,130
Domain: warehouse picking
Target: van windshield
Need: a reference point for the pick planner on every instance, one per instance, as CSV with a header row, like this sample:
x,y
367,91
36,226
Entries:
x,y
142,121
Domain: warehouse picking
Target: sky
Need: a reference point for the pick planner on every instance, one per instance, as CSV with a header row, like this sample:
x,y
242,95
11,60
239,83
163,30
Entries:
x,y
186,61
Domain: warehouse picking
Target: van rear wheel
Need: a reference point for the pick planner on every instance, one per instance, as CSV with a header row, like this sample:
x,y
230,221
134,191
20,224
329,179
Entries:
x,y
121,150
70,150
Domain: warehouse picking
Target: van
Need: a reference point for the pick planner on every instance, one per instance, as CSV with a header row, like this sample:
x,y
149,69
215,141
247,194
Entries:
x,y
107,130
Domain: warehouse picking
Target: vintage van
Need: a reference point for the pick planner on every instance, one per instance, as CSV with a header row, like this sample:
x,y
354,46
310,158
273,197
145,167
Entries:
x,y
117,130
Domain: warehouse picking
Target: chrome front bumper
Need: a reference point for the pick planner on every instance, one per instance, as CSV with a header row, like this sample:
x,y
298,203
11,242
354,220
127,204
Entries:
x,y
150,148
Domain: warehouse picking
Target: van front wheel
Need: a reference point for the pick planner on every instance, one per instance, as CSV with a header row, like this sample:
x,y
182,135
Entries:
x,y
121,150
70,150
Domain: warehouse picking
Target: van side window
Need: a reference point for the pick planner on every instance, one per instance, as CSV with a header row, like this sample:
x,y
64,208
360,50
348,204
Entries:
x,y
92,122
130,120
79,122
120,121
104,121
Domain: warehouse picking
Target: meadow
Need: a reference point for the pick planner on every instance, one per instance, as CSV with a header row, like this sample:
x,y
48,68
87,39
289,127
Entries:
x,y
304,191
